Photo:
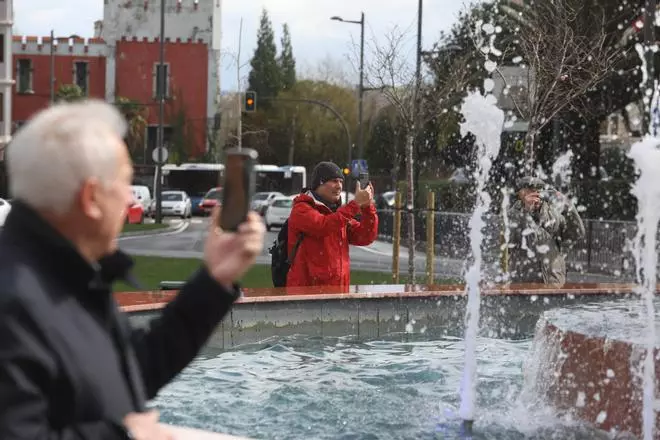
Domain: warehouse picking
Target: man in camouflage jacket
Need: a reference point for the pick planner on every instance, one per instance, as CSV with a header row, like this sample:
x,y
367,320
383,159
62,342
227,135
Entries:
x,y
543,225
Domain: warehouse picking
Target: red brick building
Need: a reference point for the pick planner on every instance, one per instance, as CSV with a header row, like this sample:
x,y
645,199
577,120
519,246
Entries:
x,y
130,69
76,61
186,77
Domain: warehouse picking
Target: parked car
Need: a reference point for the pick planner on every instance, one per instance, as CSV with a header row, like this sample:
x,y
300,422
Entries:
x,y
176,203
261,200
195,201
135,214
385,200
142,195
5,209
278,211
211,200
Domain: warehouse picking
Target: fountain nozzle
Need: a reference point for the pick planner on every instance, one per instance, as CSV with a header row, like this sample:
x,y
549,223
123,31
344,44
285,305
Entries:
x,y
467,427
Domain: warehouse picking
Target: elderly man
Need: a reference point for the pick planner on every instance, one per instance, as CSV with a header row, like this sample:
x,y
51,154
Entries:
x,y
543,225
70,365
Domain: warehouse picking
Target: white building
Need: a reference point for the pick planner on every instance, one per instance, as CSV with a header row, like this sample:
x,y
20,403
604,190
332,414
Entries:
x,y
6,72
184,19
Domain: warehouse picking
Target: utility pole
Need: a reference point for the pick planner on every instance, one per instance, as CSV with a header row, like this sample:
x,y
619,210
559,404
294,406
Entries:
x,y
239,95
292,146
52,66
160,87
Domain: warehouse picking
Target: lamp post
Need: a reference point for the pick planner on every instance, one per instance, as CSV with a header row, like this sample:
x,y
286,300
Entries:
x,y
160,88
361,86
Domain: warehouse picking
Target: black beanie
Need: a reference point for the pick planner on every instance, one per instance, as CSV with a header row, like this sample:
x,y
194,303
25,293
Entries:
x,y
324,172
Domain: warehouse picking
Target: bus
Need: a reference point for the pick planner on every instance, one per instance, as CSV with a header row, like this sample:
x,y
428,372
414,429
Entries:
x,y
197,178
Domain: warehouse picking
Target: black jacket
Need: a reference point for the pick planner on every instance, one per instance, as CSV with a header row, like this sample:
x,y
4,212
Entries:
x,y
70,365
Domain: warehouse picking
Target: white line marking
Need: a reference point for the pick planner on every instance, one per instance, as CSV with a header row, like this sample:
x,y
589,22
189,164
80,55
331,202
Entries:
x,y
373,251
178,230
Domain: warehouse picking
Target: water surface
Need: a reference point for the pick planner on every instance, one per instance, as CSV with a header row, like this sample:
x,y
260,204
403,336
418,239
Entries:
x,y
333,388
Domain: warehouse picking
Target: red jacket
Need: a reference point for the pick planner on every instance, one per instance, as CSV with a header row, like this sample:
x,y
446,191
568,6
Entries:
x,y
322,258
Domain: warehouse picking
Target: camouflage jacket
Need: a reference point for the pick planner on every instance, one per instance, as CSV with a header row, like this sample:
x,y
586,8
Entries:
x,y
539,241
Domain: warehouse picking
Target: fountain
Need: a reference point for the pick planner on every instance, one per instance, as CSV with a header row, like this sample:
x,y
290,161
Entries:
x,y
485,121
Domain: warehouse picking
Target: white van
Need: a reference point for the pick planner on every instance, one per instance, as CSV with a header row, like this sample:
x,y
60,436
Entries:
x,y
142,196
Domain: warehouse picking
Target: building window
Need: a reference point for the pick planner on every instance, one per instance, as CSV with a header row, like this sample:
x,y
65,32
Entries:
x,y
81,76
24,75
2,48
157,80
2,109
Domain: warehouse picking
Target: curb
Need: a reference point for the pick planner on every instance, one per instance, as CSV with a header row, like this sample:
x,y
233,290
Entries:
x,y
171,230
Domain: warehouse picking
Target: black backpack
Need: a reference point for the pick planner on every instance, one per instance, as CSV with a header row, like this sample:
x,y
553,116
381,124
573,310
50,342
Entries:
x,y
280,262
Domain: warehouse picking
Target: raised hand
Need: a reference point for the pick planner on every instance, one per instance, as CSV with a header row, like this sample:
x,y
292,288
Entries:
x,y
364,196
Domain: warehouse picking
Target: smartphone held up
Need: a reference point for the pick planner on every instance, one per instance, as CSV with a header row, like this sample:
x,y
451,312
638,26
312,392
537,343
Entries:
x,y
238,187
364,180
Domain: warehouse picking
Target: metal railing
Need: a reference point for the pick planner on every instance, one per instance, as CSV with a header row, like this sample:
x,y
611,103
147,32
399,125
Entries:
x,y
606,248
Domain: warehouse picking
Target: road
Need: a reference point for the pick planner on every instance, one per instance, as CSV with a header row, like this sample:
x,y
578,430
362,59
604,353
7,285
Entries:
x,y
376,257
190,242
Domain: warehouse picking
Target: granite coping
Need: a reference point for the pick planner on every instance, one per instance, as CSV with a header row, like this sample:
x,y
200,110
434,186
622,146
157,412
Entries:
x,y
154,300
592,378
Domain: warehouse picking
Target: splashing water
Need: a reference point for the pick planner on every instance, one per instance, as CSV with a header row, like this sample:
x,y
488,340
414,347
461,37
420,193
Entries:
x,y
561,170
485,121
646,155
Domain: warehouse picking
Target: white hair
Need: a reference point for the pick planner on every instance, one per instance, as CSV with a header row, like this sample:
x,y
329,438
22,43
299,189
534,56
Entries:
x,y
61,147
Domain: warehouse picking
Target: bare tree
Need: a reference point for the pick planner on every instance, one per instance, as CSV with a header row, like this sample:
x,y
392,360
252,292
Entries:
x,y
391,70
329,69
567,48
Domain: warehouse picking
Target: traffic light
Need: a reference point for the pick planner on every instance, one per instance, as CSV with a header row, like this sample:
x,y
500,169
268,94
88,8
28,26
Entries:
x,y
250,102
346,171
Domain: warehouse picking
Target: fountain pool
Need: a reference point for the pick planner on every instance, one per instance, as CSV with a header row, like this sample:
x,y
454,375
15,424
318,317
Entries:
x,y
400,386
375,363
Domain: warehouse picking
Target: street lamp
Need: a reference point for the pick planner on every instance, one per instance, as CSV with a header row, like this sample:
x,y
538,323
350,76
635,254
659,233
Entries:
x,y
361,86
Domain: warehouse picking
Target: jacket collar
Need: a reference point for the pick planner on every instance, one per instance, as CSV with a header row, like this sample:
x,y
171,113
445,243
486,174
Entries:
x,y
311,197
26,228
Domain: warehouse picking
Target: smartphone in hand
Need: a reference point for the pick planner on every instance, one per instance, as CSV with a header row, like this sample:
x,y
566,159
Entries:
x,y
238,187
364,180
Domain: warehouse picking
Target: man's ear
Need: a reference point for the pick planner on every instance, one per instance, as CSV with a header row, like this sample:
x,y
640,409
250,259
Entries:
x,y
88,198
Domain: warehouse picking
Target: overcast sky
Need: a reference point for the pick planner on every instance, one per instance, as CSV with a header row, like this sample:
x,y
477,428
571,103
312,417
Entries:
x,y
316,39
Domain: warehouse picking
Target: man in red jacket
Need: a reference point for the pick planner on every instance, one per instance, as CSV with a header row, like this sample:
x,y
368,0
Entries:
x,y
327,228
